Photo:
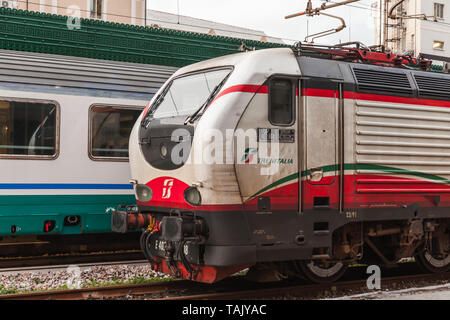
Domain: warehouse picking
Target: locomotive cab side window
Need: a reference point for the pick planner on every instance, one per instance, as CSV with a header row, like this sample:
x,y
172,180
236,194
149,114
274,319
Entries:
x,y
281,101
28,129
110,129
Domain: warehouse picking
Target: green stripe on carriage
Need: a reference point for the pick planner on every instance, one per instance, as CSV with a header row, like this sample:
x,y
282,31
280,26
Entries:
x,y
56,200
28,212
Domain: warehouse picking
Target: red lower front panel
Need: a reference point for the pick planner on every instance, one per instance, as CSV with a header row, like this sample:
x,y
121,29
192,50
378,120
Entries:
x,y
206,274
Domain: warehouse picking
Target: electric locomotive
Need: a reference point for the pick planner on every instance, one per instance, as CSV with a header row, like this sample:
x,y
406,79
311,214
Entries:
x,y
299,162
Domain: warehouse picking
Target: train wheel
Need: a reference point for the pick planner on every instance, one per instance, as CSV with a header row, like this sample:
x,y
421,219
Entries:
x,y
322,272
435,257
431,263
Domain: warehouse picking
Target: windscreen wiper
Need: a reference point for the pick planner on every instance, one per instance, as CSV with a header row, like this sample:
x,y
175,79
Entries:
x,y
194,116
155,105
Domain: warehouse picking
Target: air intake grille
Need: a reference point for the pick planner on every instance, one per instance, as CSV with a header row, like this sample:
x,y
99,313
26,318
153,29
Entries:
x,y
383,82
433,87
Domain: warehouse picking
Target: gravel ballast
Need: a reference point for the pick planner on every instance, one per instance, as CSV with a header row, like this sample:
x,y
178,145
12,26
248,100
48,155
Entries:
x,y
74,277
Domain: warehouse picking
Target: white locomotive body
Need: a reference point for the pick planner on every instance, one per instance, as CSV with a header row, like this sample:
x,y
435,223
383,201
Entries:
x,y
217,155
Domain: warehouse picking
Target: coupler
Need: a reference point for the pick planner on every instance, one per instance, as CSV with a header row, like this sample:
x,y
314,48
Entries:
x,y
128,218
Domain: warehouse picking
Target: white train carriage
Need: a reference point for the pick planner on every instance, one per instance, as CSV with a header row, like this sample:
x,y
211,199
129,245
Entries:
x,y
64,130
279,161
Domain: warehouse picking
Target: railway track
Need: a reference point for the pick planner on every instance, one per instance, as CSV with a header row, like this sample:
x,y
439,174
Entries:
x,y
63,267
102,292
232,289
306,290
67,259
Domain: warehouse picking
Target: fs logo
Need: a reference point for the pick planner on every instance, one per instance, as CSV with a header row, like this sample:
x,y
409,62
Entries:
x,y
249,154
167,189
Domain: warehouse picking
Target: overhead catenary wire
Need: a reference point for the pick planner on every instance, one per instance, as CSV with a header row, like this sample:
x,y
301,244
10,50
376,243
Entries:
x,y
327,32
368,7
163,21
360,6
309,11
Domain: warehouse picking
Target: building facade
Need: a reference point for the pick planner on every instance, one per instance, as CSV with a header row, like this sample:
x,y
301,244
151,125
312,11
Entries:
x,y
120,11
185,23
419,27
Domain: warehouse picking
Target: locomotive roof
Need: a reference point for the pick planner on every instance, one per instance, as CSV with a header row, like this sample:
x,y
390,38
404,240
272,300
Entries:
x,y
259,59
361,77
377,79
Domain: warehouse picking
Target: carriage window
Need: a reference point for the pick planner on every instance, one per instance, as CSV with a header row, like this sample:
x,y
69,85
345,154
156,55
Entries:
x,y
110,131
28,129
281,102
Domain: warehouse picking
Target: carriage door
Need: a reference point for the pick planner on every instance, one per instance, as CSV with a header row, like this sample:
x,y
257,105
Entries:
x,y
320,169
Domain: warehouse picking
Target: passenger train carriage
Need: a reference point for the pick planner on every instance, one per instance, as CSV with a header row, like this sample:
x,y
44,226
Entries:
x,y
340,162
64,130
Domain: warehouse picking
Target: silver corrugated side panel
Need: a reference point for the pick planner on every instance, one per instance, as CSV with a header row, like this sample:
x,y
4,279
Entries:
x,y
81,73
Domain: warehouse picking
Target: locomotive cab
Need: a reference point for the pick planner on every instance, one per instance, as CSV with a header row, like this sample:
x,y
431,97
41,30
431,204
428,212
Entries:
x,y
197,162
167,128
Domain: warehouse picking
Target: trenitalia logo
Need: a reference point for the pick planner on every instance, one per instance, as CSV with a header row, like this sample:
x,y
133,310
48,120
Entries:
x,y
167,189
251,152
249,155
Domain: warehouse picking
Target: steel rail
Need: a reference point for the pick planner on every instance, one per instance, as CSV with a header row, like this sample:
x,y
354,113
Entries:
x,y
62,267
68,259
306,290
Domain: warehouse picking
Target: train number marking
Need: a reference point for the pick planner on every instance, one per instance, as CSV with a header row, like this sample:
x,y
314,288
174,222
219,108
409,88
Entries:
x,y
160,245
259,232
351,214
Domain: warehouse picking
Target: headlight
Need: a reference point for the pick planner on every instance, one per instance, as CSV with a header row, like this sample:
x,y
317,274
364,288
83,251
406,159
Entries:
x,y
144,193
192,196
163,151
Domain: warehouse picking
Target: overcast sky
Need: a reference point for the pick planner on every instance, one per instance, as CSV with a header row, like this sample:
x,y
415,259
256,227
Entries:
x,y
268,16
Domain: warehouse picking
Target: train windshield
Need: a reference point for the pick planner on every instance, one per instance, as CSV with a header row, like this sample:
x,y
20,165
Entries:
x,y
187,95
